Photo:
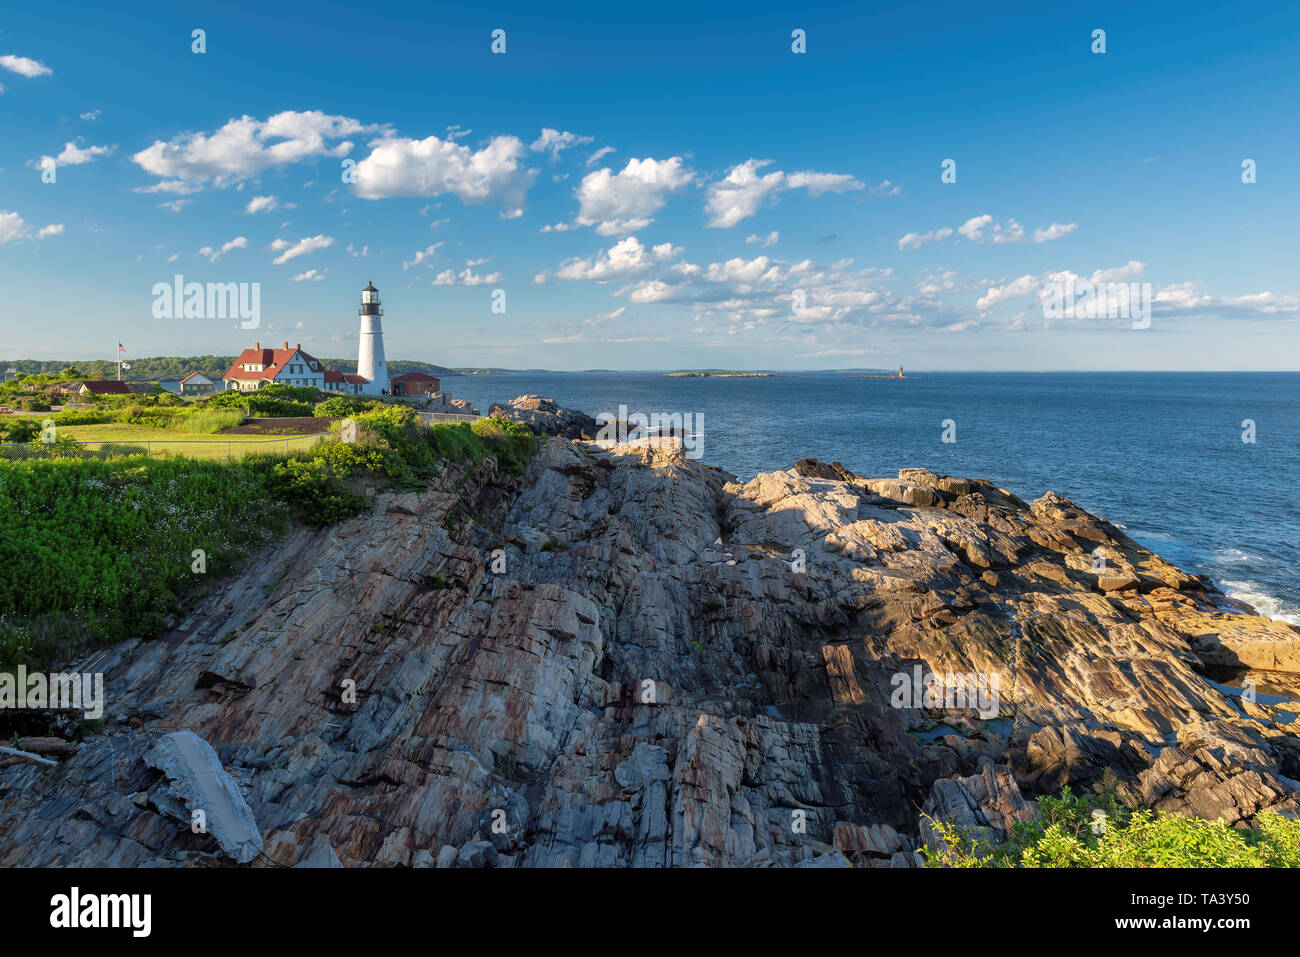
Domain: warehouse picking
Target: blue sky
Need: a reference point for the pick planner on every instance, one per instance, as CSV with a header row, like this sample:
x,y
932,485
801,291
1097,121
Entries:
x,y
698,178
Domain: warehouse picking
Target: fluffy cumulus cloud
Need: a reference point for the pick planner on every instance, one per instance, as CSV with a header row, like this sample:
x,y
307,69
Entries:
x,y
1112,291
743,293
311,275
302,247
13,227
983,229
625,260
554,142
771,239
239,242
24,66
247,146
433,166
261,204
73,155
627,201
742,192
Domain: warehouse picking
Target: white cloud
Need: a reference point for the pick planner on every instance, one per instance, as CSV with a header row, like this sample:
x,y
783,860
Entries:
x,y
553,141
742,270
311,275
13,227
261,204
627,201
973,228
432,166
301,248
625,260
247,146
1046,234
466,277
91,115
743,191
980,229
239,242
605,317
597,156
917,240
422,255
770,239
24,66
73,155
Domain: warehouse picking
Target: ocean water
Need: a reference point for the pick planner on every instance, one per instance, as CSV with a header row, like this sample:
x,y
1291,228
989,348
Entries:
x,y
1160,454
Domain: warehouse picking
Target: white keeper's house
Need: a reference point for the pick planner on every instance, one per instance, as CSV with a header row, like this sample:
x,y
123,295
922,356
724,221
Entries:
x,y
257,367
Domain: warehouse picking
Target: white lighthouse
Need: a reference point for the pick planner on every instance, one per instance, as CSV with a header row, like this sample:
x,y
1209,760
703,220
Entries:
x,y
370,352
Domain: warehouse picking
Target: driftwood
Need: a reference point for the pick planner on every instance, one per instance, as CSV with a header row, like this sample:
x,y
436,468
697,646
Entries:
x,y
26,754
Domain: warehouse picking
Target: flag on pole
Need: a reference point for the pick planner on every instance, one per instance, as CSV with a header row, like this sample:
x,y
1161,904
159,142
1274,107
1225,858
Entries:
x,y
121,348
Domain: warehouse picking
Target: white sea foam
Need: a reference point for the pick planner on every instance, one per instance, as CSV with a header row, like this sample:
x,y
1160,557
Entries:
x,y
1265,604
1235,556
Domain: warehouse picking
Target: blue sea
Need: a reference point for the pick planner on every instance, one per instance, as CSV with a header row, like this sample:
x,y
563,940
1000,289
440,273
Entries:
x,y
1159,454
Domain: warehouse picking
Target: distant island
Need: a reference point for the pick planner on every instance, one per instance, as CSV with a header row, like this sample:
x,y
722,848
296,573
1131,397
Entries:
x,y
716,374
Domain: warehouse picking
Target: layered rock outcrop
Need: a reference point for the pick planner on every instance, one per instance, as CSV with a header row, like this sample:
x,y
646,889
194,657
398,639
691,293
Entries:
x,y
627,658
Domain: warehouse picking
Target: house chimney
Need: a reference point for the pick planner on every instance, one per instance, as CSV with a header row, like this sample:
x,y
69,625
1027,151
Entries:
x,y
257,345
298,347
285,346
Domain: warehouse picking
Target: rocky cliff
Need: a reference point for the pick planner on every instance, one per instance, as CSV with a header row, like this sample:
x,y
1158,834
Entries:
x,y
627,658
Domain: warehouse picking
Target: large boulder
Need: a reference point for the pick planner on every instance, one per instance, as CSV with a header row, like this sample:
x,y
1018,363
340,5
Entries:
x,y
545,417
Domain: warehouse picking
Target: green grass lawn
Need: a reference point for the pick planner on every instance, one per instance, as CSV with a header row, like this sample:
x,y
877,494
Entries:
x,y
189,444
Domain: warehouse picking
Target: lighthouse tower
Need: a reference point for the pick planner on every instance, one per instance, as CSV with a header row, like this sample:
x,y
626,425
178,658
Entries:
x,y
370,352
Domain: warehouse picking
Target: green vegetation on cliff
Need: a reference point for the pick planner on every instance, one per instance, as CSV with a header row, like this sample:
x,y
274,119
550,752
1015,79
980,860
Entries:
x,y
98,551
1095,830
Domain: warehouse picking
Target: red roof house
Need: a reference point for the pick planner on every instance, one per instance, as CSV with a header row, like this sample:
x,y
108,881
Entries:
x,y
414,383
257,367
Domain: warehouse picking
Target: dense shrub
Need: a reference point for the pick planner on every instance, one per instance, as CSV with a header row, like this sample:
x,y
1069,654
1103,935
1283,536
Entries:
x,y
273,400
98,551
1096,831
82,417
511,443
340,406
19,429
319,492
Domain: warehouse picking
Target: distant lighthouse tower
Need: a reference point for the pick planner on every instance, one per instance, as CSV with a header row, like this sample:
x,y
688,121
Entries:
x,y
370,352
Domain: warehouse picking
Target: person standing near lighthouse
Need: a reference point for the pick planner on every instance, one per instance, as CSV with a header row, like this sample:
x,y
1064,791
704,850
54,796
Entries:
x,y
370,351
